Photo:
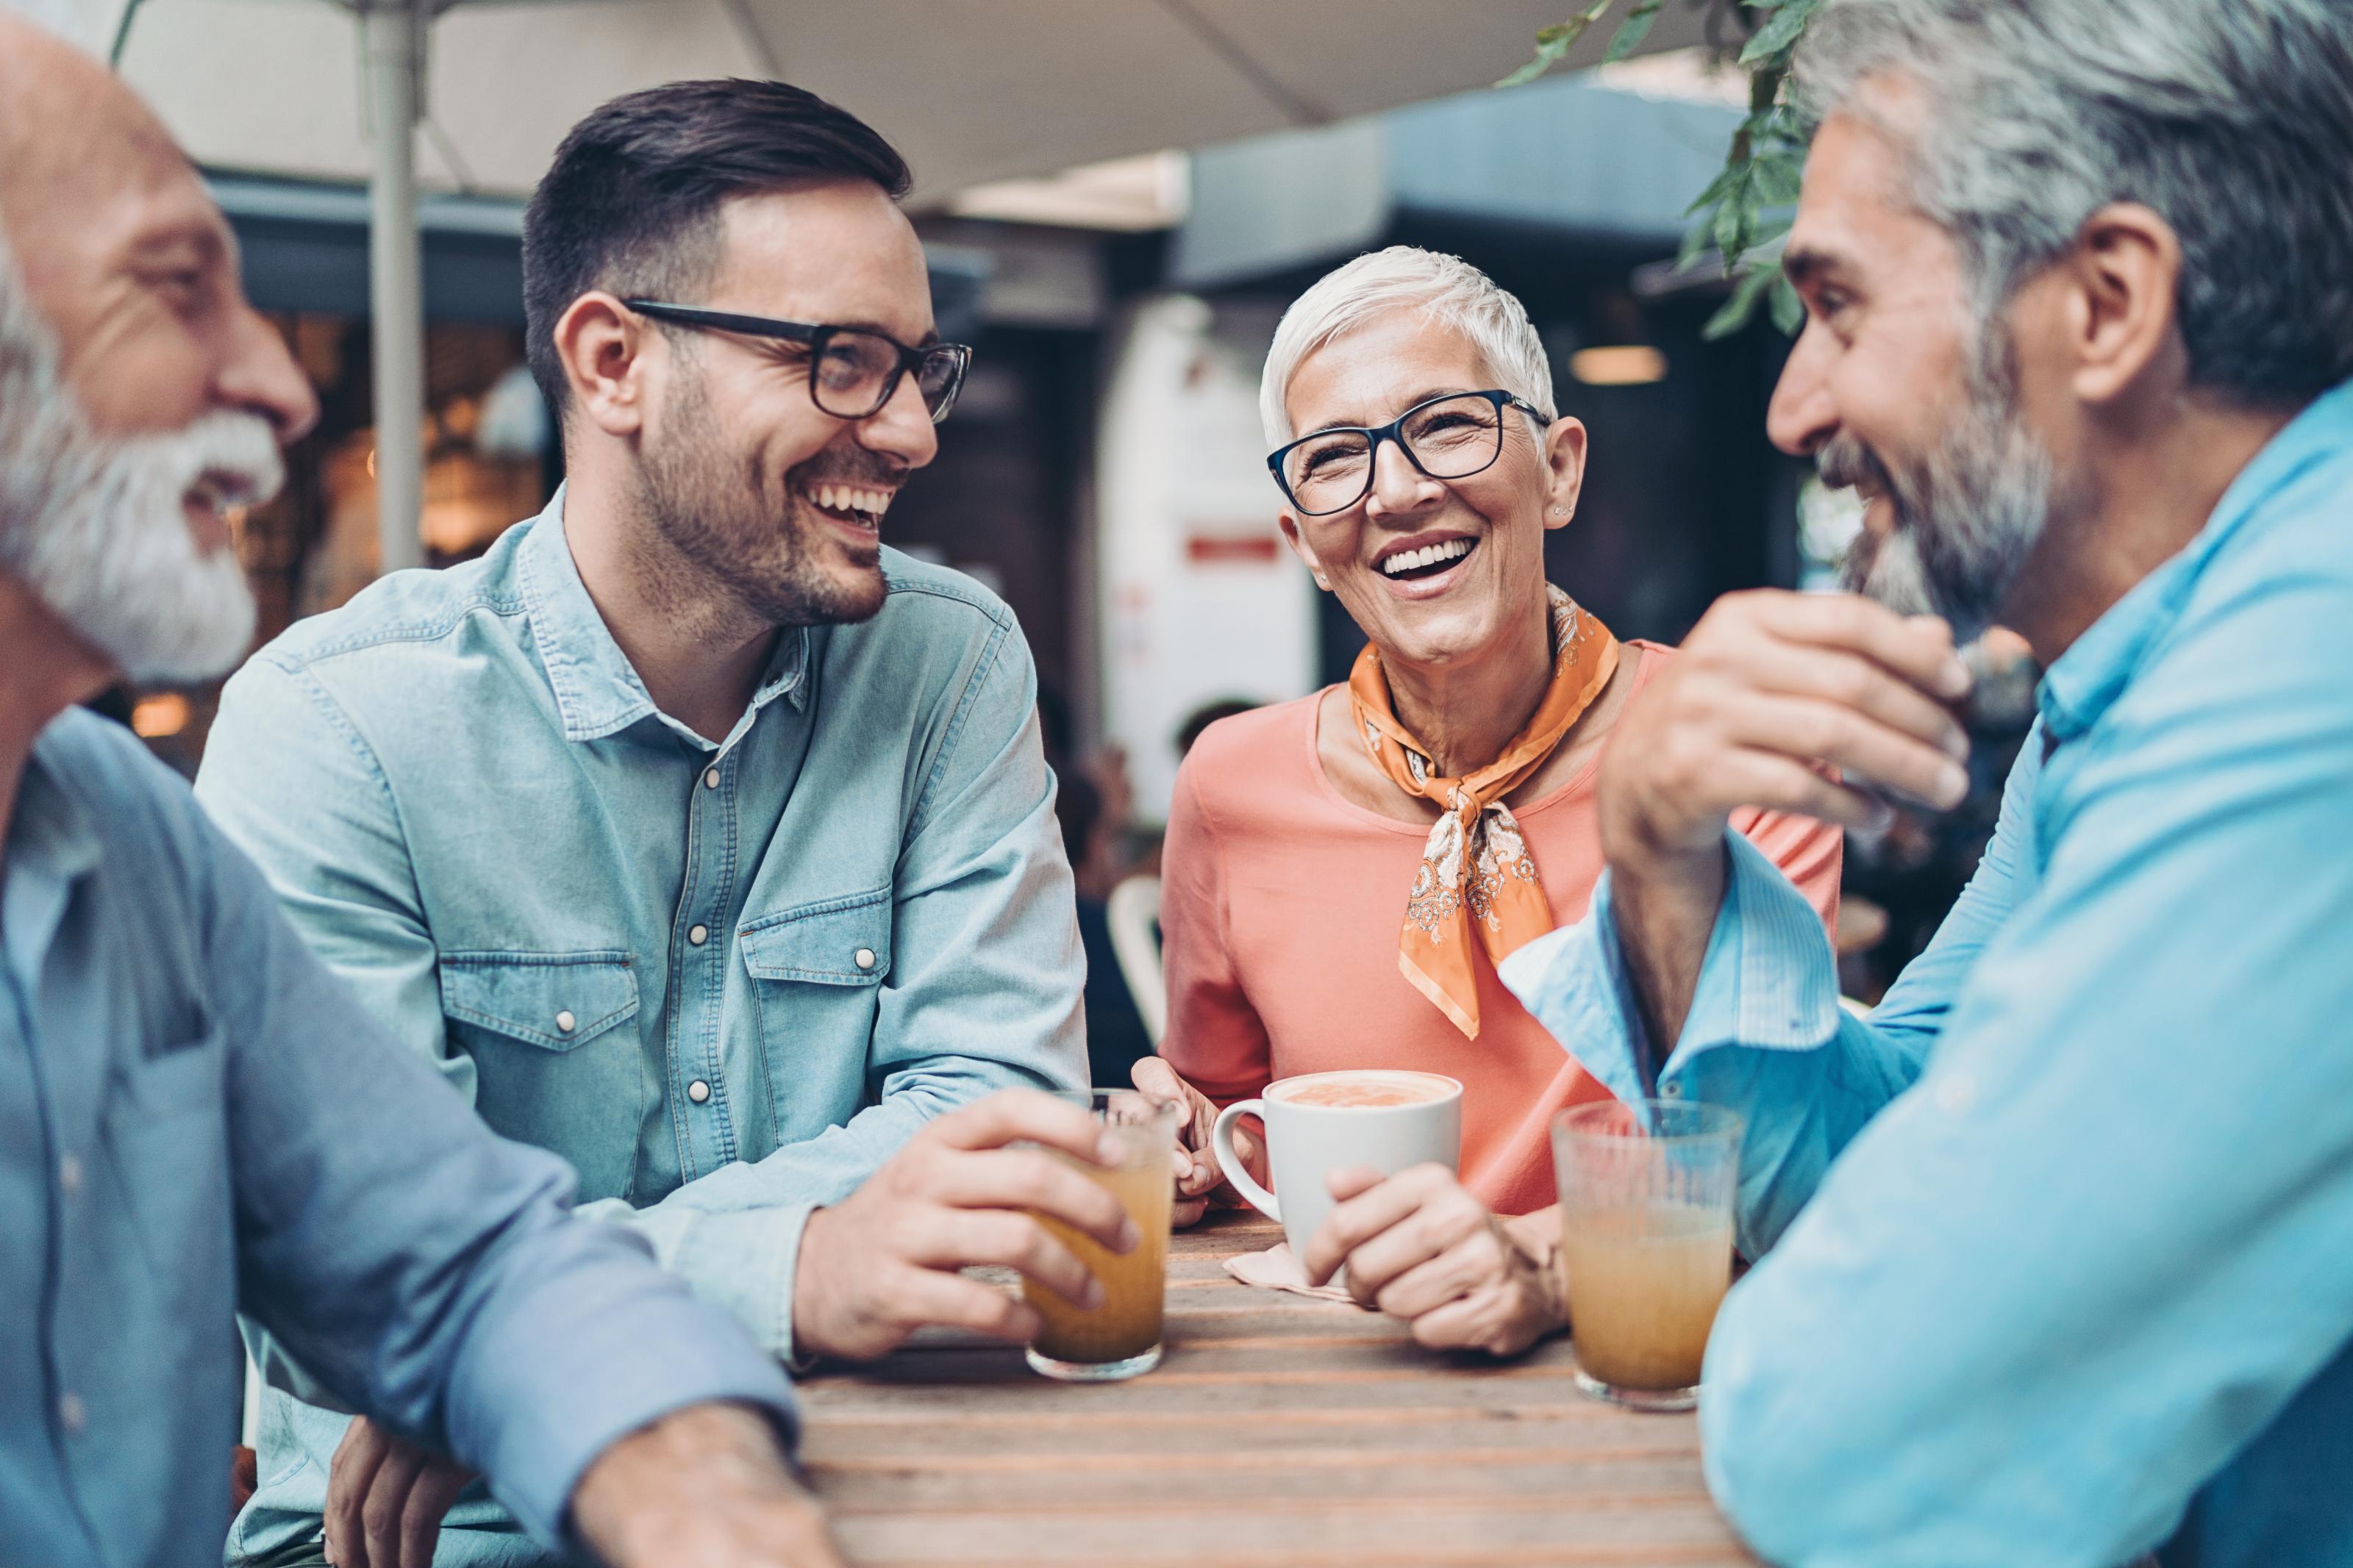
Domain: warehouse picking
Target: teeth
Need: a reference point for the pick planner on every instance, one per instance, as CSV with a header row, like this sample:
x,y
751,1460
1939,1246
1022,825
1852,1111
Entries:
x,y
850,498
1428,555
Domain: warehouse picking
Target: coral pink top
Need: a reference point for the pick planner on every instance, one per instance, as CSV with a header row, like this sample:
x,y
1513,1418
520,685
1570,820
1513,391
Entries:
x,y
1280,904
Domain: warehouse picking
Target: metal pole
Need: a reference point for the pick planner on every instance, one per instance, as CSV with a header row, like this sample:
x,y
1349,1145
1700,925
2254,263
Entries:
x,y
393,41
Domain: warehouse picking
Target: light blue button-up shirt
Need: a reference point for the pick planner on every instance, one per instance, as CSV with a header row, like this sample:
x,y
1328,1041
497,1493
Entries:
x,y
2061,1263
725,980
197,1119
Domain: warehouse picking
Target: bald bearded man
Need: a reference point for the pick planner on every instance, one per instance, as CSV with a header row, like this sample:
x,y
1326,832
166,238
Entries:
x,y
194,1119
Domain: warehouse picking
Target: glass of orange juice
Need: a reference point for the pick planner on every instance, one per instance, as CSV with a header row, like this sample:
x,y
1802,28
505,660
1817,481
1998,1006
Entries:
x,y
1120,1337
1646,1194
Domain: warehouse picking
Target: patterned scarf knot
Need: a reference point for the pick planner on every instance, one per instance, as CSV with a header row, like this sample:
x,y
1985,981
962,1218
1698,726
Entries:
x,y
1476,874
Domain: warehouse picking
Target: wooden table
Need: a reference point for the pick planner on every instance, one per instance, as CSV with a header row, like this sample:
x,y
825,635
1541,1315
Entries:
x,y
1280,1432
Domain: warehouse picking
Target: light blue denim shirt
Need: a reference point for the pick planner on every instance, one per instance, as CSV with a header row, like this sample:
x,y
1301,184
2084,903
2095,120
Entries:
x,y
2062,1235
197,1119
725,980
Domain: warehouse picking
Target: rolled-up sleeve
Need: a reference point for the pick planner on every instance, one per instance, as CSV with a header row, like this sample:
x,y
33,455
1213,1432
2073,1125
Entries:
x,y
421,1268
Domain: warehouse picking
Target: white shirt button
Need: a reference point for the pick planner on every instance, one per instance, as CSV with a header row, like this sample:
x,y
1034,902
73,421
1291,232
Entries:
x,y
1671,1091
698,935
70,1175
864,957
72,1414
565,1023
710,778
1956,1093
697,1091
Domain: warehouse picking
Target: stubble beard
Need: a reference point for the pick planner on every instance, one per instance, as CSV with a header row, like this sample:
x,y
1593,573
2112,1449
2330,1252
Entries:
x,y
1970,515
723,531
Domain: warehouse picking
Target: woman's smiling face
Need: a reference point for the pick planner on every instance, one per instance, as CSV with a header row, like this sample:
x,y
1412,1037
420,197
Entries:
x,y
1479,538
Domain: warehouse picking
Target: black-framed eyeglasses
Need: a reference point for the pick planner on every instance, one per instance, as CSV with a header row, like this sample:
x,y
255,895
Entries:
x,y
852,371
1449,436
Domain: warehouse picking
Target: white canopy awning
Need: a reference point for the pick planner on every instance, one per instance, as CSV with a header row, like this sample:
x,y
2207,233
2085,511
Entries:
x,y
968,90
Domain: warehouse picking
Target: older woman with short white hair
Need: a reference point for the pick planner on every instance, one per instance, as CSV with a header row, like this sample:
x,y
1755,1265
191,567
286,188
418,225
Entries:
x,y
1343,873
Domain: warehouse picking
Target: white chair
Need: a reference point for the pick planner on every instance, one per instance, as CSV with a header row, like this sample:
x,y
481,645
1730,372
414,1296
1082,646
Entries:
x,y
1132,912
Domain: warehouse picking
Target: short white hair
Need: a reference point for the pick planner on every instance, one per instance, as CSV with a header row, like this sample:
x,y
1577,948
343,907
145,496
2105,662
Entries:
x,y
1452,293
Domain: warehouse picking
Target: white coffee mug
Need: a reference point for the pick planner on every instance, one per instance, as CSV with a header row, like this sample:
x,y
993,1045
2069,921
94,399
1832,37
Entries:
x,y
1308,1139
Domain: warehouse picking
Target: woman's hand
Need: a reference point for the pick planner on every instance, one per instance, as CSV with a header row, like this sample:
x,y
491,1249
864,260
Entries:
x,y
1419,1247
1199,1179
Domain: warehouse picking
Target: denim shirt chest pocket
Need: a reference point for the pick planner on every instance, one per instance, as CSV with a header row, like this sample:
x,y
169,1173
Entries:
x,y
817,975
553,1064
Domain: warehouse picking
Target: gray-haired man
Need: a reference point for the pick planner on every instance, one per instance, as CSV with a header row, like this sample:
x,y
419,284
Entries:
x,y
2057,1269
194,1117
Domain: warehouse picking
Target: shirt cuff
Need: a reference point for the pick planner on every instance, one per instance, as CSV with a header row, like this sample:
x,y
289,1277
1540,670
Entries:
x,y
536,1400
1573,980
742,1260
1769,980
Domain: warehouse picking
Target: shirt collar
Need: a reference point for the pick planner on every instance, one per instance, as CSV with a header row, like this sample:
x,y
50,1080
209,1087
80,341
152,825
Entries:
x,y
51,844
597,691
2086,681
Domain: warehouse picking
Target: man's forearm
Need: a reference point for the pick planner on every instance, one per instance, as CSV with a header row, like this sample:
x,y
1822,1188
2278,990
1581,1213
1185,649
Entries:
x,y
1666,910
699,1486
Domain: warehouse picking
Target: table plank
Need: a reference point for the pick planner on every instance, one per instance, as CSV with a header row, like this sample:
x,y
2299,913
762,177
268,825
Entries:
x,y
1281,1432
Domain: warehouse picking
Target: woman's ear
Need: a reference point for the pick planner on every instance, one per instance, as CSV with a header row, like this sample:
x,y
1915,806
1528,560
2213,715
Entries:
x,y
1564,454
1291,536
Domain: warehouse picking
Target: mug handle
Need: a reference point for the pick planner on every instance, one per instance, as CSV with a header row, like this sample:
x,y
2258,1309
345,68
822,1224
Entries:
x,y
1222,1144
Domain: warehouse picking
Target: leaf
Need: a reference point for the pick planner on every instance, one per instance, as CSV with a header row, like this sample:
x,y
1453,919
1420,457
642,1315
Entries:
x,y
1633,30
1735,311
1779,177
1695,245
1554,42
1733,221
1780,32
1788,311
1726,180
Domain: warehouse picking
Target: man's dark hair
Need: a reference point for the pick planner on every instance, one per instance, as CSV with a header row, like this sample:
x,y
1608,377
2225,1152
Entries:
x,y
631,204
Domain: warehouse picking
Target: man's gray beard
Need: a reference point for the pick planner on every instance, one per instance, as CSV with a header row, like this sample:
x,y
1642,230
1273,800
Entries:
x,y
1969,517
720,526
95,526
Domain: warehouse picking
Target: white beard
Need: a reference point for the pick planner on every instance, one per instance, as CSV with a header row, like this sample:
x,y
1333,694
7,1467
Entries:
x,y
95,526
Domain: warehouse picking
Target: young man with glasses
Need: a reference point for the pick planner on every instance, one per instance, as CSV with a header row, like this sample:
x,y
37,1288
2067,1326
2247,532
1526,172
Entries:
x,y
697,840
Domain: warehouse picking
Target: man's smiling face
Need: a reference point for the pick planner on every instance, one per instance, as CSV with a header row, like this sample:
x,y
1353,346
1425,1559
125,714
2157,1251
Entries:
x,y
1896,388
769,496
145,398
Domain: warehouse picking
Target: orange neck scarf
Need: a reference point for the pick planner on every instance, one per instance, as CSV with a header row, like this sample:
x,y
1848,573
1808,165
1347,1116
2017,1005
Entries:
x,y
1476,873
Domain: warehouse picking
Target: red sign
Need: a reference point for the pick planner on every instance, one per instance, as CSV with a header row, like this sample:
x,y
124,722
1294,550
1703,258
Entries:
x,y
1231,550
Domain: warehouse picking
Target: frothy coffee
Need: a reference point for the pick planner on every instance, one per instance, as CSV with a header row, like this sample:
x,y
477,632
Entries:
x,y
1356,1091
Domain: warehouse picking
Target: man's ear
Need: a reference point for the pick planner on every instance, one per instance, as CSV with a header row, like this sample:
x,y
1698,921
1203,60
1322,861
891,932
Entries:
x,y
1564,456
601,344
1286,521
2121,315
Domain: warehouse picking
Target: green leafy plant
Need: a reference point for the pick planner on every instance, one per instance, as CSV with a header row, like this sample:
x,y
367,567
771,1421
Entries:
x,y
1745,208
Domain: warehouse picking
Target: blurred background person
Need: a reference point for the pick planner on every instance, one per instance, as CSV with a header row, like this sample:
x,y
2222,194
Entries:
x,y
1090,803
1344,871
